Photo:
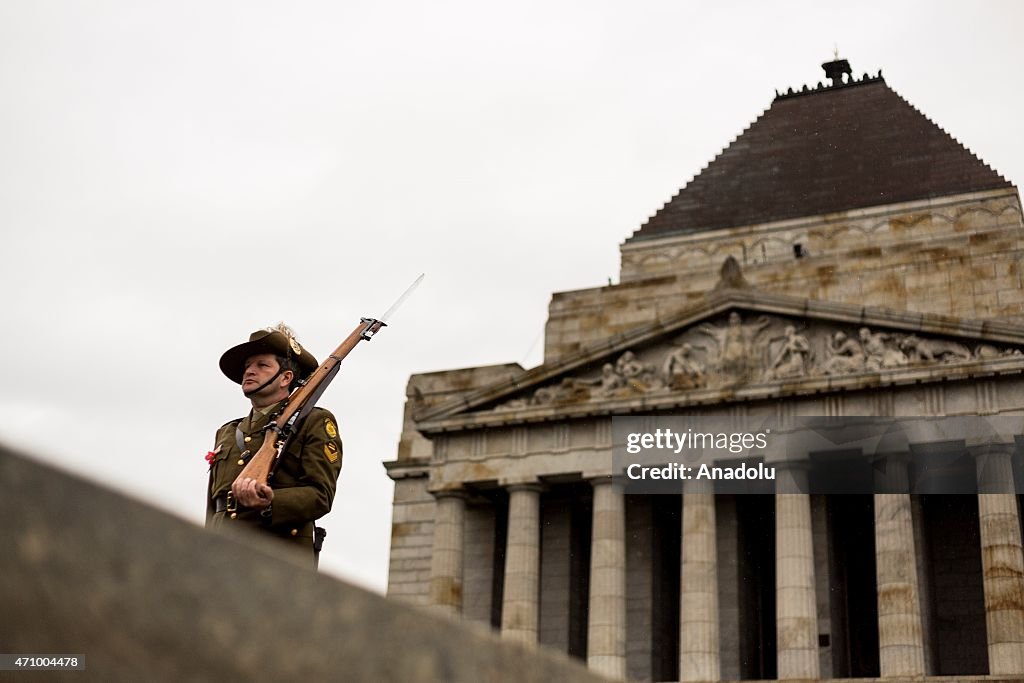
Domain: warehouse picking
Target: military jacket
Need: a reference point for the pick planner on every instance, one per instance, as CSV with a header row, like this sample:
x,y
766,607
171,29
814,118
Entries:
x,y
304,481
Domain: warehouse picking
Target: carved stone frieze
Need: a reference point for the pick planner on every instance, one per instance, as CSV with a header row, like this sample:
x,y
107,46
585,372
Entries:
x,y
731,352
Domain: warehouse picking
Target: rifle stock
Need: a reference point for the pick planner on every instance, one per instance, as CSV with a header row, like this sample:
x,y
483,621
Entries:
x,y
262,463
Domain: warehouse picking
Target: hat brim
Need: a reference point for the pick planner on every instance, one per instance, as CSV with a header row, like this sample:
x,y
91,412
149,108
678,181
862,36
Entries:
x,y
232,363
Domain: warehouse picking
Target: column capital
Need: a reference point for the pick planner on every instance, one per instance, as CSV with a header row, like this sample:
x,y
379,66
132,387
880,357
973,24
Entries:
x,y
601,480
891,472
791,476
994,465
996,448
698,486
523,485
797,465
892,457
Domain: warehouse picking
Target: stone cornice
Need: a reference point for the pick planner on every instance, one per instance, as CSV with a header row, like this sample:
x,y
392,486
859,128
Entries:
x,y
413,468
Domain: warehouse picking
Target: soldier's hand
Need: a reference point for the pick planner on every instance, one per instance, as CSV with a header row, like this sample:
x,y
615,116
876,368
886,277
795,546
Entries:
x,y
251,493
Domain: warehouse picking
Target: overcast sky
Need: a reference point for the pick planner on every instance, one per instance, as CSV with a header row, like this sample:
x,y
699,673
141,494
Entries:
x,y
176,175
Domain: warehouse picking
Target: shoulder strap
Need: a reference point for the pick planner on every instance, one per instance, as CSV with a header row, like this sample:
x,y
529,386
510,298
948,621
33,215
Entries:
x,y
236,421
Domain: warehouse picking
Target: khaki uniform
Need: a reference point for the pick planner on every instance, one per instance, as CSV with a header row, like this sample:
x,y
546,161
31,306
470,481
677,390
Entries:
x,y
304,481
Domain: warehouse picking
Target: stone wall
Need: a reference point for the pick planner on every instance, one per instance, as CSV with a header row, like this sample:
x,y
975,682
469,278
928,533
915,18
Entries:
x,y
431,388
412,540
957,256
145,596
478,566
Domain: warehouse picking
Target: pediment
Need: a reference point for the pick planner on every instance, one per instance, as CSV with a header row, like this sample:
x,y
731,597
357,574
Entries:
x,y
740,344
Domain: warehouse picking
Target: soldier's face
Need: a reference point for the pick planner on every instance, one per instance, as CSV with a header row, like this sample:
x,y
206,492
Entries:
x,y
259,369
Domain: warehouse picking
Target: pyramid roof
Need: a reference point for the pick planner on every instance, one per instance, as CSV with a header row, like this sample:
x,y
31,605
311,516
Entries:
x,y
824,150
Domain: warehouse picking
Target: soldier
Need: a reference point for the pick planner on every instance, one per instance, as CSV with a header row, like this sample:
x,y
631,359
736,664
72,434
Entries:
x,y
268,367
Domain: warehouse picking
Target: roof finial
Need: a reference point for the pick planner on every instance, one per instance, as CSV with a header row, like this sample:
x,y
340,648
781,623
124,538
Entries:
x,y
835,50
835,69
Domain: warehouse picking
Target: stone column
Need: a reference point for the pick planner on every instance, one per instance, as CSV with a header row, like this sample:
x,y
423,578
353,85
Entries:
x,y
446,560
796,613
698,609
900,631
1002,561
606,626
520,605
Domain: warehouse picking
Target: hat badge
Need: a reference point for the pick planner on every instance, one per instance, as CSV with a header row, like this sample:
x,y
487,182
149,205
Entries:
x,y
295,346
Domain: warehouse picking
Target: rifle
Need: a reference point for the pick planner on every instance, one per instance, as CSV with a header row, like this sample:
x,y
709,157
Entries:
x,y
302,400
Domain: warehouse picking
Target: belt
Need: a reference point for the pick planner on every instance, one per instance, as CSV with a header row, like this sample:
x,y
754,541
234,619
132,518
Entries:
x,y
224,503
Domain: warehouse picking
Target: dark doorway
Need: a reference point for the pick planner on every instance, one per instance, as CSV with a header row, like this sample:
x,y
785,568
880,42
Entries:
x,y
581,525
956,614
500,500
853,585
666,514
755,515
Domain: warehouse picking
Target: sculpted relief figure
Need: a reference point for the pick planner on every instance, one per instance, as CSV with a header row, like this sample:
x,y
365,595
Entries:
x,y
680,370
987,352
638,375
628,373
736,345
610,381
791,359
880,350
514,404
569,390
628,366
933,350
845,355
543,396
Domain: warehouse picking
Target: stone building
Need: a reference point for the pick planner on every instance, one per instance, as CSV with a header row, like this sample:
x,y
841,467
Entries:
x,y
844,256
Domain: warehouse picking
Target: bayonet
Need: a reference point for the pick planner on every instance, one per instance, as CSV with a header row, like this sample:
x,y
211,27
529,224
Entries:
x,y
373,325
